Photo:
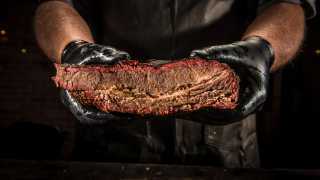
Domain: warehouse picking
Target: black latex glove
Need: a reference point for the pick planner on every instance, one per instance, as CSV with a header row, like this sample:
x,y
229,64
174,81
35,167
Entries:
x,y
84,53
251,59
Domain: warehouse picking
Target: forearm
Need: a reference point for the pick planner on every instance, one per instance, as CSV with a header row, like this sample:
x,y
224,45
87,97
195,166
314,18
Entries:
x,y
57,24
283,26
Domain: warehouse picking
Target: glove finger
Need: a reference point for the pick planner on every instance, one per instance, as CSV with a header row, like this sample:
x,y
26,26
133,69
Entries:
x,y
229,54
109,51
84,114
114,59
106,59
121,55
199,53
112,55
255,96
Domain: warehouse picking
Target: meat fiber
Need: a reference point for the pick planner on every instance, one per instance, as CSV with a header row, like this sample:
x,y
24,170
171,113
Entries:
x,y
143,89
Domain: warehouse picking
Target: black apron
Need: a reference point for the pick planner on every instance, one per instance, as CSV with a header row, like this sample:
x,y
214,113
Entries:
x,y
168,29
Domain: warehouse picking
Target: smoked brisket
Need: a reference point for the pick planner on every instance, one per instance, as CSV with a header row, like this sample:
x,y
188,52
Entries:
x,y
139,88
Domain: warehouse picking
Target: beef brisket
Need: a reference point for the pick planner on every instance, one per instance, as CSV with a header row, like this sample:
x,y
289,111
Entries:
x,y
140,88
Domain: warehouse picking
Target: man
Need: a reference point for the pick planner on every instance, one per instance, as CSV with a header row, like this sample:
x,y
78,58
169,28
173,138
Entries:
x,y
254,37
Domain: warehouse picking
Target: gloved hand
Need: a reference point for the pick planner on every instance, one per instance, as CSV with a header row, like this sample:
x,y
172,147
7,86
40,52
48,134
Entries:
x,y
251,59
84,53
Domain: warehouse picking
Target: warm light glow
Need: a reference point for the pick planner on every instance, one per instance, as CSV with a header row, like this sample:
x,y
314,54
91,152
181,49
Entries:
x,y
23,50
317,51
3,32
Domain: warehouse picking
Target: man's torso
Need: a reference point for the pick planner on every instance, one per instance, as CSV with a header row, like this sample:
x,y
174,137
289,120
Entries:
x,y
166,29
170,29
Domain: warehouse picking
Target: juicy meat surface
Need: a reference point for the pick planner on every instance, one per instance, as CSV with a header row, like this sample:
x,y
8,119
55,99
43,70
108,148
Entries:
x,y
143,89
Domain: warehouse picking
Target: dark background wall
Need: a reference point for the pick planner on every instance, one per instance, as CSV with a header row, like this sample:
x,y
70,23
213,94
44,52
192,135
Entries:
x,y
31,113
27,93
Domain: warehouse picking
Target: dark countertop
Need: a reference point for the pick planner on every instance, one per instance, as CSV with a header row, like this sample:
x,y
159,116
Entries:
x,y
31,169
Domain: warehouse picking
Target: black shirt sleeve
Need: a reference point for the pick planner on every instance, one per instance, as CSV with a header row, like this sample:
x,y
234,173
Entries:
x,y
88,10
309,6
